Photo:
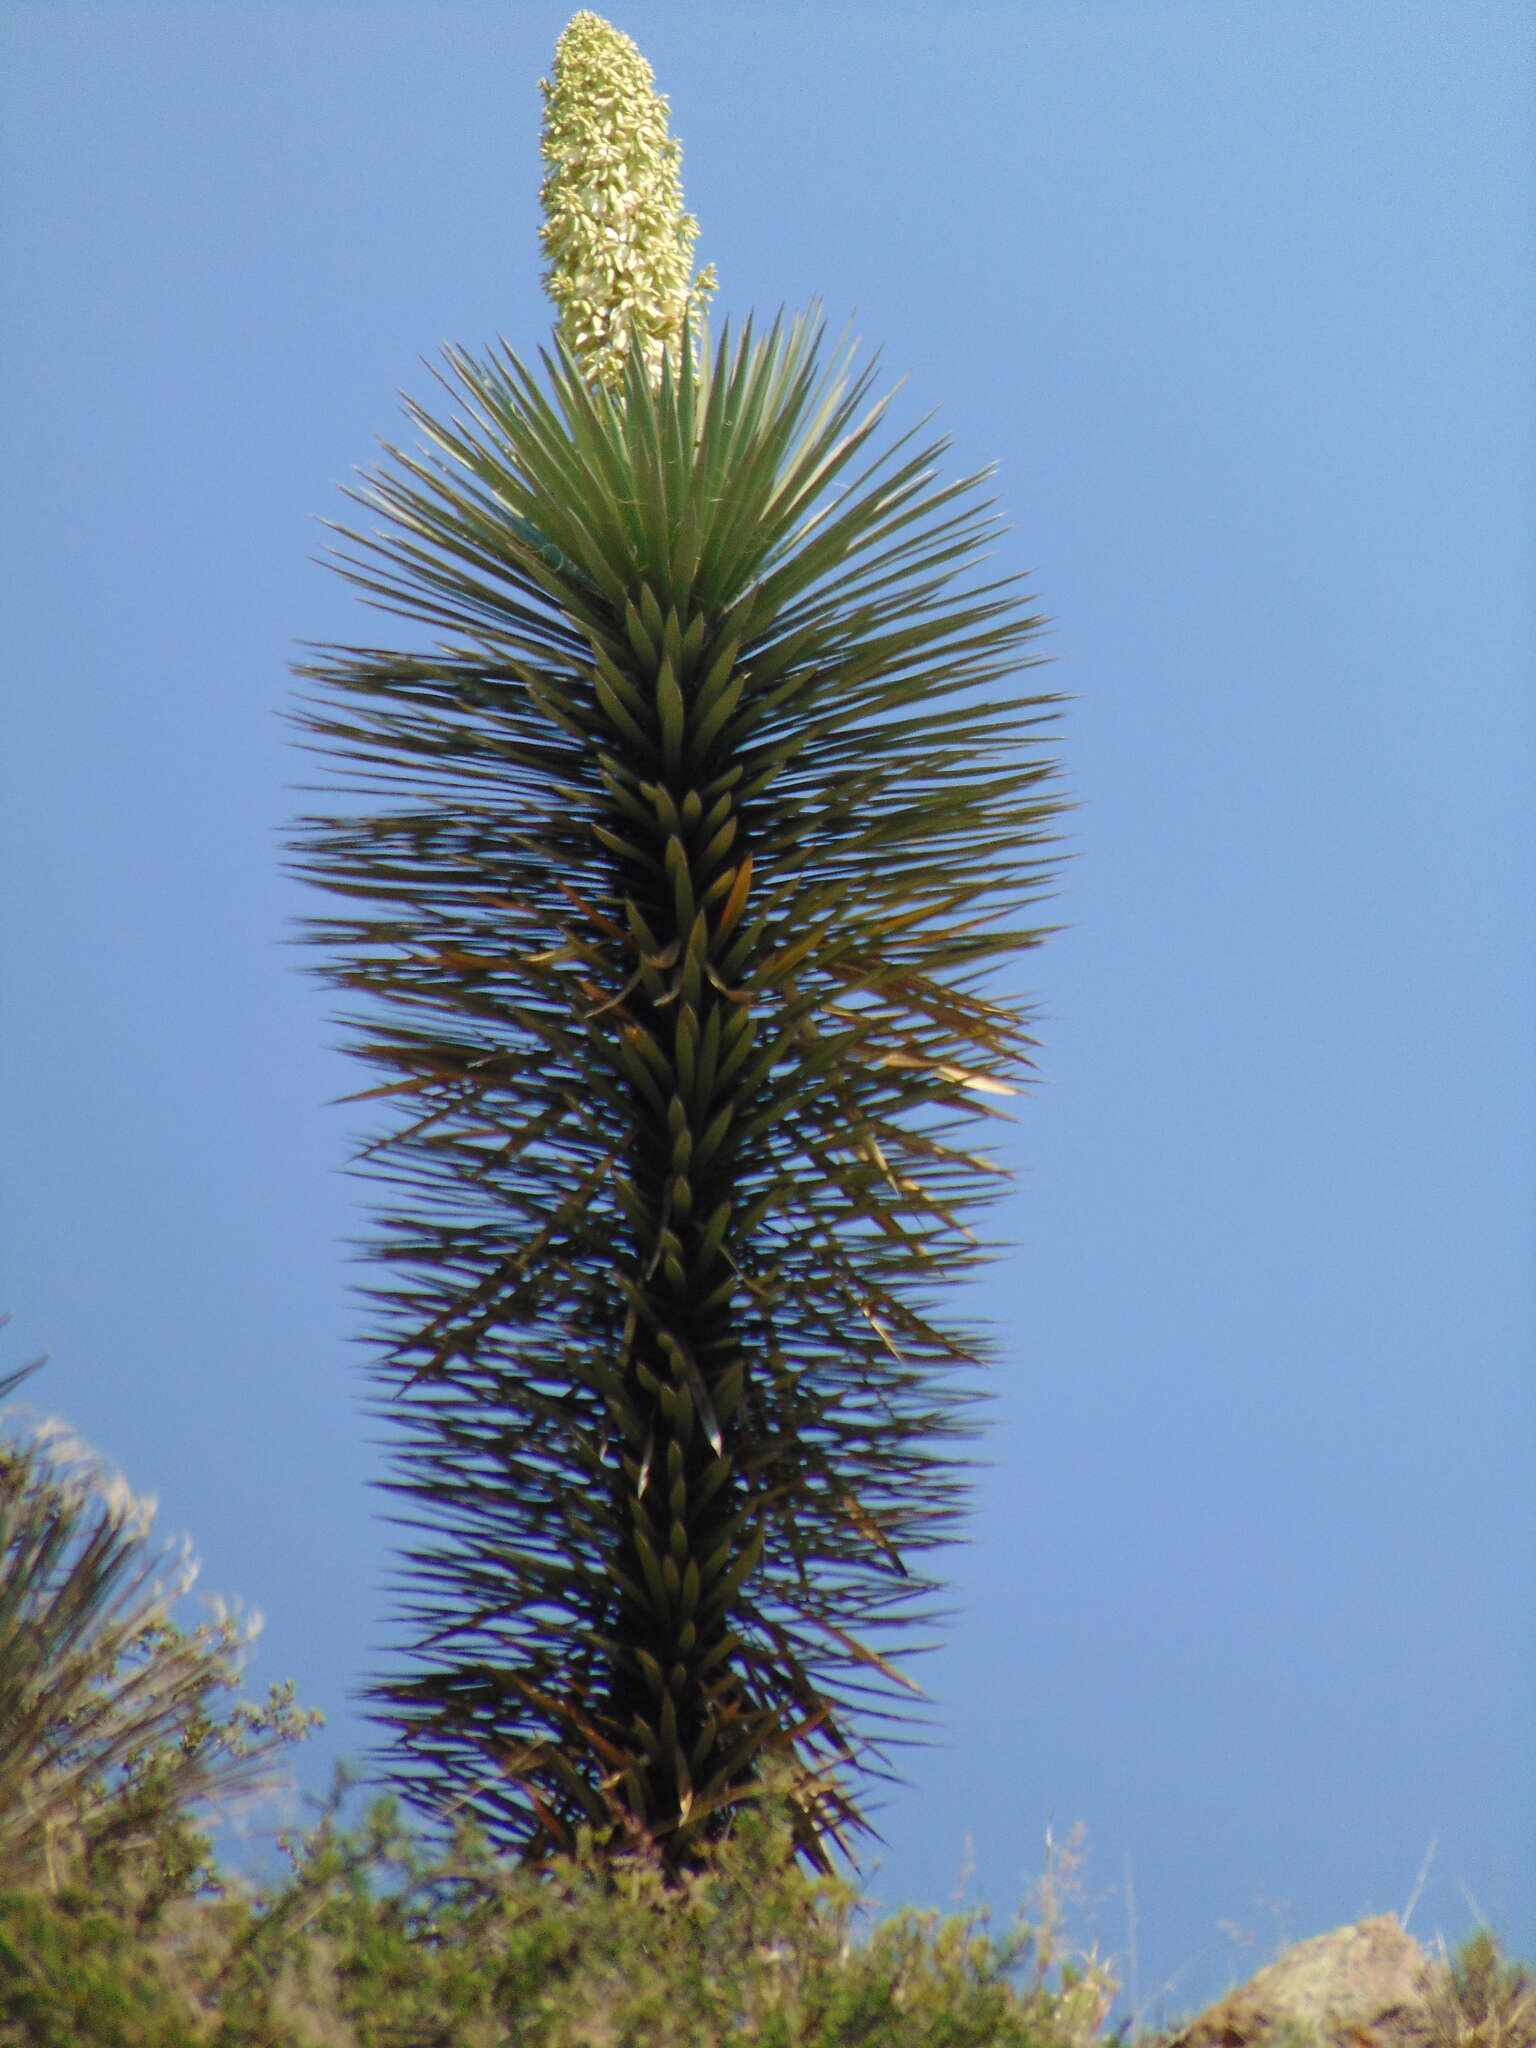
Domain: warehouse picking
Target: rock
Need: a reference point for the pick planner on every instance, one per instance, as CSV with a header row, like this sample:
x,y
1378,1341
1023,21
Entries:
x,y
1359,1987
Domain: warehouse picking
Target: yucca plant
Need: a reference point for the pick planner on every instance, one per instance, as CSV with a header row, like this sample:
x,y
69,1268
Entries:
x,y
682,850
110,1722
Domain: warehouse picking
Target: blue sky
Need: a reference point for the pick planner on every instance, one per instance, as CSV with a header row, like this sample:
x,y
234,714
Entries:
x,y
1240,299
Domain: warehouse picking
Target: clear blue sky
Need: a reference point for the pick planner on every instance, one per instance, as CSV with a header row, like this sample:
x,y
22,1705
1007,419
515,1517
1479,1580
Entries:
x,y
1240,298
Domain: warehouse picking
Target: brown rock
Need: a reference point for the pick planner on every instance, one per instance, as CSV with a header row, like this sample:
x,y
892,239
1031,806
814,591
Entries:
x,y
1359,1987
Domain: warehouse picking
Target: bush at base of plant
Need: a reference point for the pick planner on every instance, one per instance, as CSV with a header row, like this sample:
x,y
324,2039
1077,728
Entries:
x,y
74,1972
373,1943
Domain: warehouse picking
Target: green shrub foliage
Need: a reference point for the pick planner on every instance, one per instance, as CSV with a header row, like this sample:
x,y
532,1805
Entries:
x,y
370,1943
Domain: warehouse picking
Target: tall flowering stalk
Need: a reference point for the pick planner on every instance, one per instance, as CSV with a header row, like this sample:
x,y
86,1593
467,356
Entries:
x,y
697,823
619,244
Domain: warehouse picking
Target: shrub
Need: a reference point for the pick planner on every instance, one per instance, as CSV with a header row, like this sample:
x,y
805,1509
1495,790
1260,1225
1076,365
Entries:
x,y
373,1941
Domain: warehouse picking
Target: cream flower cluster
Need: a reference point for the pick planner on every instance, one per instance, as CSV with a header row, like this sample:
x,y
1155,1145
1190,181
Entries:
x,y
620,246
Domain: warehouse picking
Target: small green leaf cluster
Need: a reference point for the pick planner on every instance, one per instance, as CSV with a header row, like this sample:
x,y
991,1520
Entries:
x,y
1480,1999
